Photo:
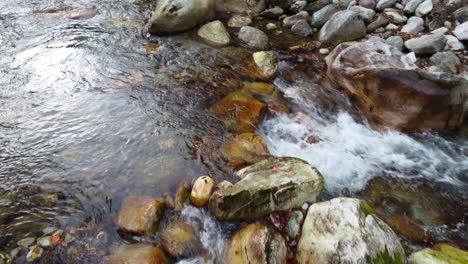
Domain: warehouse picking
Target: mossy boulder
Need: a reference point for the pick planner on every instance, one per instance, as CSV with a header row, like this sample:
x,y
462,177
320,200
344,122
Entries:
x,y
274,184
346,230
442,253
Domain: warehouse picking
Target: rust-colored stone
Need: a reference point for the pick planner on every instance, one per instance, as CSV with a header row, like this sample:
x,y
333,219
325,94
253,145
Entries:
x,y
140,214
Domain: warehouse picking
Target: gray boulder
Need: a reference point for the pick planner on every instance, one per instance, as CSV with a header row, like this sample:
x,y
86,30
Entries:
x,y
411,6
395,41
346,230
343,26
302,28
254,37
365,13
414,26
382,4
172,16
461,31
320,17
396,17
381,21
274,184
461,14
447,61
453,44
291,20
428,44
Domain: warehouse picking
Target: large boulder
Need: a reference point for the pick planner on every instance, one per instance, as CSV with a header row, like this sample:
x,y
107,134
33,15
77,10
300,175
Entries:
x,y
138,254
172,16
240,6
393,92
346,230
274,184
140,214
440,254
257,243
343,26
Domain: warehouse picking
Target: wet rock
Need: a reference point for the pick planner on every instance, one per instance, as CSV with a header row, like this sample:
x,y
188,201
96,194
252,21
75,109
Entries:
x,y
49,230
333,231
320,17
240,6
266,92
324,51
291,20
273,12
342,26
461,31
271,26
297,6
461,14
257,243
395,41
45,242
414,100
411,229
244,148
223,185
182,195
302,28
34,253
365,13
201,191
439,253
414,26
396,17
179,239
138,254
140,214
314,6
379,22
214,33
173,16
239,21
410,8
367,3
294,224
254,37
266,63
424,8
428,44
447,61
270,185
239,111
453,44
26,242
382,4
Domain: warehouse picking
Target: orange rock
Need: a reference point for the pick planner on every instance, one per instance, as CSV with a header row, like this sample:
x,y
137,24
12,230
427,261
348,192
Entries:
x,y
138,254
246,147
140,214
179,239
240,111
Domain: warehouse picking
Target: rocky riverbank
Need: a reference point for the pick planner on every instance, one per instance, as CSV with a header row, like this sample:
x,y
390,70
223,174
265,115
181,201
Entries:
x,y
403,64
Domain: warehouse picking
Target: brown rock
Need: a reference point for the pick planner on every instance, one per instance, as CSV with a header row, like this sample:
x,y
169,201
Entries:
x,y
244,148
138,254
391,91
182,195
257,243
409,228
240,111
140,214
179,239
201,191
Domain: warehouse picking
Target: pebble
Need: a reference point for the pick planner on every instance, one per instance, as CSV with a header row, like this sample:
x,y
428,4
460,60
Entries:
x,y
391,27
448,24
382,4
34,253
49,230
302,28
271,26
379,30
424,8
396,17
399,6
26,242
239,21
441,30
324,51
69,238
44,242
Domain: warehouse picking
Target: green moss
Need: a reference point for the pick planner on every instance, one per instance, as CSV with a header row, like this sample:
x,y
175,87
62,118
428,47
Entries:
x,y
366,208
386,258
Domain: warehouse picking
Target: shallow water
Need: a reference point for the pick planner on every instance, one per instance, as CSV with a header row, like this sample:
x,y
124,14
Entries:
x,y
89,114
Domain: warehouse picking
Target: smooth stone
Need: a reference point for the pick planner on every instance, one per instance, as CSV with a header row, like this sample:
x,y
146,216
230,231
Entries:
x,y
416,20
239,21
395,41
324,51
424,8
271,26
138,254
447,61
382,4
461,31
34,253
244,148
320,17
254,37
365,13
266,63
428,44
274,12
411,6
399,6
315,6
214,33
367,3
461,14
379,22
448,24
26,242
441,30
201,191
69,238
412,28
240,6
396,18
391,27
297,6
302,28
173,16
455,3
291,20
49,230
346,230
102,238
453,44
140,214
441,253
412,57
257,243
380,30
45,242
343,26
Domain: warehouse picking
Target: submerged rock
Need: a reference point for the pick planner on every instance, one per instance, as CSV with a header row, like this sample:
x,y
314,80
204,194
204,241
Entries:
x,y
346,230
140,214
173,16
239,21
254,37
392,91
244,148
266,63
240,111
182,195
342,26
138,254
214,33
201,190
270,185
257,243
440,253
179,239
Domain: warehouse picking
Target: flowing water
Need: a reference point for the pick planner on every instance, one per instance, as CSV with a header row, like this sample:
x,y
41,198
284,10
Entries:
x,y
92,110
